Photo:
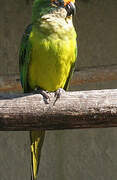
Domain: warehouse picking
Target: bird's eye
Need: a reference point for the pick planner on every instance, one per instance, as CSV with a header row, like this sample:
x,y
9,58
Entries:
x,y
61,2
69,6
58,2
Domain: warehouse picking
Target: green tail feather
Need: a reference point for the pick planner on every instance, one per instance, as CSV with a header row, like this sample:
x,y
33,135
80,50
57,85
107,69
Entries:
x,y
37,138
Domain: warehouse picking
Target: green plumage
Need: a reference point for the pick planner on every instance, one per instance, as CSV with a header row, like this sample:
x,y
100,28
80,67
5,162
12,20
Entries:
x,y
46,59
24,58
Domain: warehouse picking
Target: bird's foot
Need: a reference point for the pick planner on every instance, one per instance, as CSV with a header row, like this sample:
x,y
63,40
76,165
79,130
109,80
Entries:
x,y
58,94
44,93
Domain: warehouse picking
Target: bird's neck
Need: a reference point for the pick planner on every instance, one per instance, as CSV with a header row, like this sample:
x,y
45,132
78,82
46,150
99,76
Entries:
x,y
43,9
40,8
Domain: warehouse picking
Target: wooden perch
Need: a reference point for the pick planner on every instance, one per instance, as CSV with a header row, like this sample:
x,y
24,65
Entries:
x,y
85,75
86,109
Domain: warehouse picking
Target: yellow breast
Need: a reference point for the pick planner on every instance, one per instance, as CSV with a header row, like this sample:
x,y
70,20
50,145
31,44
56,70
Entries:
x,y
51,59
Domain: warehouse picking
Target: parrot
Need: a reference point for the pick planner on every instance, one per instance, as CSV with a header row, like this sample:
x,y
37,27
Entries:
x,y
47,57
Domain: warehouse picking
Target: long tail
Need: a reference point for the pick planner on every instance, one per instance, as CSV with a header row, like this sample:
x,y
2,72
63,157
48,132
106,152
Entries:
x,y
37,138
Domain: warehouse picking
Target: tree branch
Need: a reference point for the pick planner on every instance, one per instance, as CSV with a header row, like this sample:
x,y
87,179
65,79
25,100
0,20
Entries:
x,y
86,109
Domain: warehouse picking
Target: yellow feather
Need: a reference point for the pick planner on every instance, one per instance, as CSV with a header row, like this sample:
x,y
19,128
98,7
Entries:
x,y
37,138
52,56
53,42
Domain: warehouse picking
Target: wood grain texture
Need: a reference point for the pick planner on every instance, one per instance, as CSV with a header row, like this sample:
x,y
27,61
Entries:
x,y
86,109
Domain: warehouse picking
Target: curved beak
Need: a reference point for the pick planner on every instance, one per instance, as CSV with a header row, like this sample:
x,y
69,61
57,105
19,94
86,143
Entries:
x,y
70,8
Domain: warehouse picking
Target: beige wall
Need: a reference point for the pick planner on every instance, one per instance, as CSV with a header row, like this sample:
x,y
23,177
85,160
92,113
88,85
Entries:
x,y
14,17
70,154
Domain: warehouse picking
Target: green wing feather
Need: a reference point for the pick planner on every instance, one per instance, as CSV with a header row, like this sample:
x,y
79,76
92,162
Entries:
x,y
36,137
24,58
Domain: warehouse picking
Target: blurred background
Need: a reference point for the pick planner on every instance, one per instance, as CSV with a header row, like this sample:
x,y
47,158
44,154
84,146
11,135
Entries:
x,y
69,154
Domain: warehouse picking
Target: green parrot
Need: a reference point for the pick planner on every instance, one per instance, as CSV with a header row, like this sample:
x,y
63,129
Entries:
x,y
47,57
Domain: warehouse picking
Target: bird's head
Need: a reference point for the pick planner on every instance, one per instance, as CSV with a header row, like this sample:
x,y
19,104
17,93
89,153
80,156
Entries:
x,y
67,4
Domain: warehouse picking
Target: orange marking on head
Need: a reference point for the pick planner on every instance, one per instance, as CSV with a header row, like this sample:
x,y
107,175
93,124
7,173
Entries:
x,y
65,1
68,1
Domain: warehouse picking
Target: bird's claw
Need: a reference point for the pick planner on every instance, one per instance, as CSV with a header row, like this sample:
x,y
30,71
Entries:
x,y
44,93
58,94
